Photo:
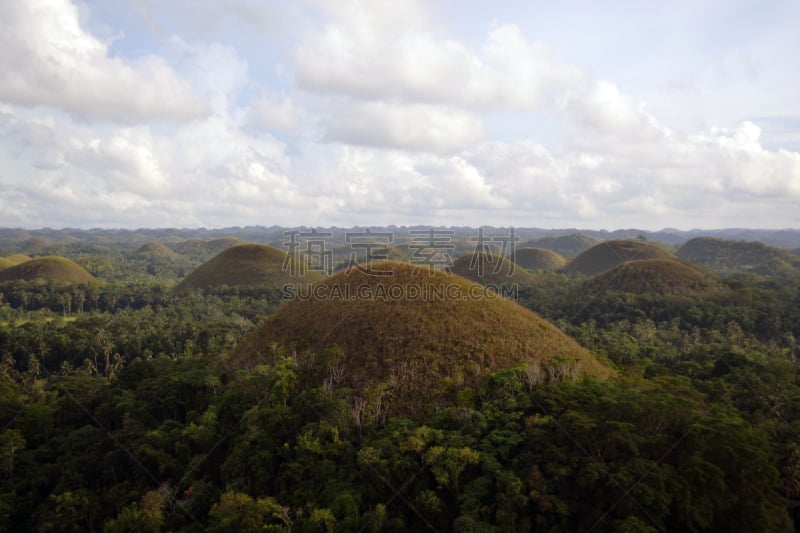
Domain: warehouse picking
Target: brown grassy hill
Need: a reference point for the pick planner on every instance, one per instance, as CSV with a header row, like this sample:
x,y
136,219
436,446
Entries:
x,y
662,277
539,259
417,337
156,249
5,263
609,254
18,258
488,269
49,268
726,256
247,265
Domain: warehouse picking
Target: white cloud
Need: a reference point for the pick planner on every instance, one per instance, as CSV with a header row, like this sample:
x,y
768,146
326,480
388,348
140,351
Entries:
x,y
404,126
392,120
49,60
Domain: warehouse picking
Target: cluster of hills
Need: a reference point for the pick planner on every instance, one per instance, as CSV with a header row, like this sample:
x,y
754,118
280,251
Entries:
x,y
367,381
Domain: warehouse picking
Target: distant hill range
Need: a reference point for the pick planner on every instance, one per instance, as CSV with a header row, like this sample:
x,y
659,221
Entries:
x,y
203,244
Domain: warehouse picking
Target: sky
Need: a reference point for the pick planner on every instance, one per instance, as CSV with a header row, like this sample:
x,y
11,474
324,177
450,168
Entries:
x,y
588,114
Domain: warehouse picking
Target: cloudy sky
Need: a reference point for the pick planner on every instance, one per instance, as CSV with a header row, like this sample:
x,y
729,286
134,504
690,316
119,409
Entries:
x,y
146,113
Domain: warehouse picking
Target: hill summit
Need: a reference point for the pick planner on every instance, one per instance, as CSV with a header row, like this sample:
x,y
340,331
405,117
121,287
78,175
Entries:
x,y
249,265
414,337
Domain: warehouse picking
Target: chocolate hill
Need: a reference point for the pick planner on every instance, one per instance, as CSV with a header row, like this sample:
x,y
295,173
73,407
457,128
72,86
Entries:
x,y
538,259
416,336
609,254
248,265
49,269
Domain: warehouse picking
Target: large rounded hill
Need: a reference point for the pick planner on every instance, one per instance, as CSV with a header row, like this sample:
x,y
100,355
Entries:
x,y
538,259
660,277
5,263
609,254
249,265
417,336
49,269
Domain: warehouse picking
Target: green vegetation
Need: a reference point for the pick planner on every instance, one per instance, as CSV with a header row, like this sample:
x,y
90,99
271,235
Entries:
x,y
490,269
249,265
5,263
727,257
49,269
666,399
539,259
609,254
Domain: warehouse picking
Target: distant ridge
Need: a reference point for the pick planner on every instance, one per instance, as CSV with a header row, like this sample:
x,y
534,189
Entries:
x,y
726,257
609,254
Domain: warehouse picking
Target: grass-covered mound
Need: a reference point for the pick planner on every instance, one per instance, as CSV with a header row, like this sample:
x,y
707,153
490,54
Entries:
x,y
49,269
17,258
489,269
726,257
565,245
156,249
412,339
5,263
609,254
539,259
662,277
248,265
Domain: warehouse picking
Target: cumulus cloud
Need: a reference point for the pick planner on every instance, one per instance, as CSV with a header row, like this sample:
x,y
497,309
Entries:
x,y
404,126
391,120
371,54
49,60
